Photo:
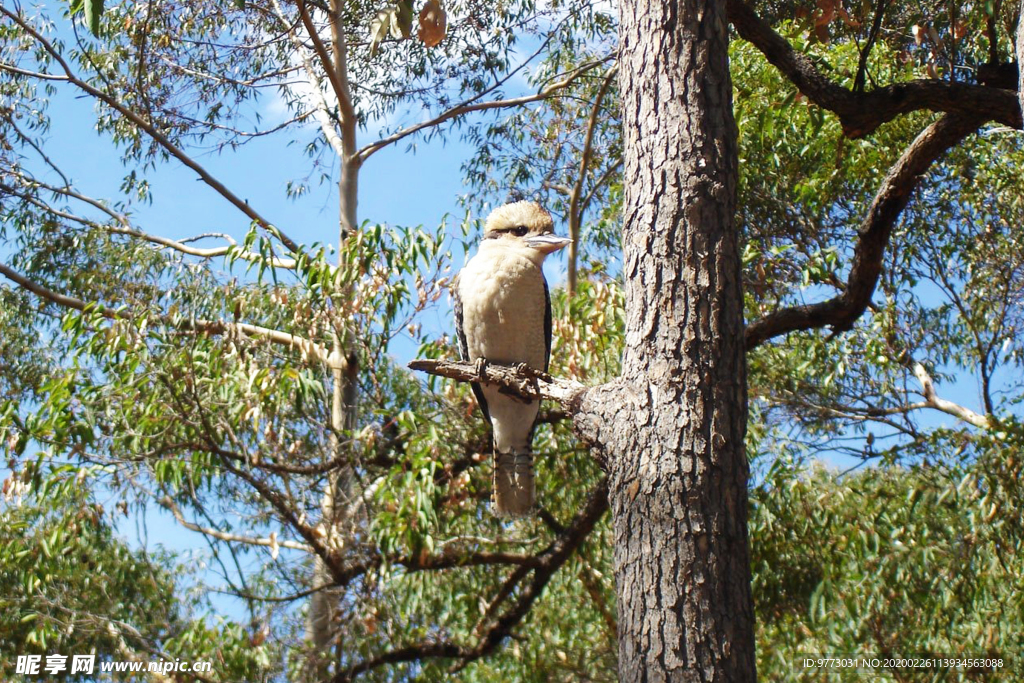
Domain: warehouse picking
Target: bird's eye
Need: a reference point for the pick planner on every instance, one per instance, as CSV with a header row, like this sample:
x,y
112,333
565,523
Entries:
x,y
519,231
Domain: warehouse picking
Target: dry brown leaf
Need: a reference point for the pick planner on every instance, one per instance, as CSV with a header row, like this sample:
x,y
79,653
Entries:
x,y
433,23
919,33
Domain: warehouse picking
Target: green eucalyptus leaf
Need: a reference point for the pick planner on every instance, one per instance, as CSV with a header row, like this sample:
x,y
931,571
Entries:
x,y
93,12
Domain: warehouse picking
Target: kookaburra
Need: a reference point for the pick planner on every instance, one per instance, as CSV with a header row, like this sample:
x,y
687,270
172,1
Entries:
x,y
503,315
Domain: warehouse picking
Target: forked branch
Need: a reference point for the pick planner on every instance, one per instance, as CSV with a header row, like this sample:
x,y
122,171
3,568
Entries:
x,y
493,633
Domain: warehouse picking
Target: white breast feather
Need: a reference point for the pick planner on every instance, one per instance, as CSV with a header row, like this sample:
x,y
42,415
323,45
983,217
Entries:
x,y
503,308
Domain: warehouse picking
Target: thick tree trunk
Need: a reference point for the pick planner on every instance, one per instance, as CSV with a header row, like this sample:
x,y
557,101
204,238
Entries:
x,y
1020,57
673,429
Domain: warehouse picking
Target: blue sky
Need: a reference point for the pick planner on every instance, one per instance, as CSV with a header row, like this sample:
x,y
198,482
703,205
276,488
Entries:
x,y
396,187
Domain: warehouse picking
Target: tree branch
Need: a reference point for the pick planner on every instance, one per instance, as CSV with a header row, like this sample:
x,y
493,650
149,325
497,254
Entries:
x,y
587,578
39,150
993,32
125,227
948,407
270,542
143,125
309,348
519,380
339,78
318,538
862,62
334,75
842,311
1020,57
320,108
601,180
549,562
861,113
575,211
471,106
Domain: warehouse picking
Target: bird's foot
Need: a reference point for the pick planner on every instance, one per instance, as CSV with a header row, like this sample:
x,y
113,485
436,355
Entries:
x,y
531,372
481,365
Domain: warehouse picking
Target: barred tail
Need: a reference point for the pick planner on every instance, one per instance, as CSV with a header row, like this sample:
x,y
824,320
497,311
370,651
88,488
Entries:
x,y
513,483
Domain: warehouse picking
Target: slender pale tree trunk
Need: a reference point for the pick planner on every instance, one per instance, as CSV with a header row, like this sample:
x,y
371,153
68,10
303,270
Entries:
x,y
337,504
672,428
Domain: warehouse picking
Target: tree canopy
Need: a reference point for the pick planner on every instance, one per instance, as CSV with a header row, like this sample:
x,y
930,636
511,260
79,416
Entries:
x,y
253,386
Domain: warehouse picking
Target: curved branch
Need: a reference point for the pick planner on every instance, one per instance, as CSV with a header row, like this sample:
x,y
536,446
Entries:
x,y
27,139
948,407
471,106
841,312
125,228
491,636
861,113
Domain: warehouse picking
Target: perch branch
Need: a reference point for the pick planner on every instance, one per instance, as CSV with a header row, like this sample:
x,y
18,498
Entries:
x,y
519,380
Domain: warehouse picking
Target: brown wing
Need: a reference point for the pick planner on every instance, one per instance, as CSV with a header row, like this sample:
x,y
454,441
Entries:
x,y
547,324
464,350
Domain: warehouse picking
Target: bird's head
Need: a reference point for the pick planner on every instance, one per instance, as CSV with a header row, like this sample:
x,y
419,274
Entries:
x,y
523,226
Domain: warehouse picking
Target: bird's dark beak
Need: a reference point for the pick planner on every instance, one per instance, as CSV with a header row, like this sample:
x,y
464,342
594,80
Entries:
x,y
547,243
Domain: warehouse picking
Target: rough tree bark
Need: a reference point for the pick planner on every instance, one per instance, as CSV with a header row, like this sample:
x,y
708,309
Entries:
x,y
1020,58
671,429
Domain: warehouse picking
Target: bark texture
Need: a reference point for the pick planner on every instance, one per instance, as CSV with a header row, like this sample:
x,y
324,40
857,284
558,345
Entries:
x,y
672,429
1020,58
